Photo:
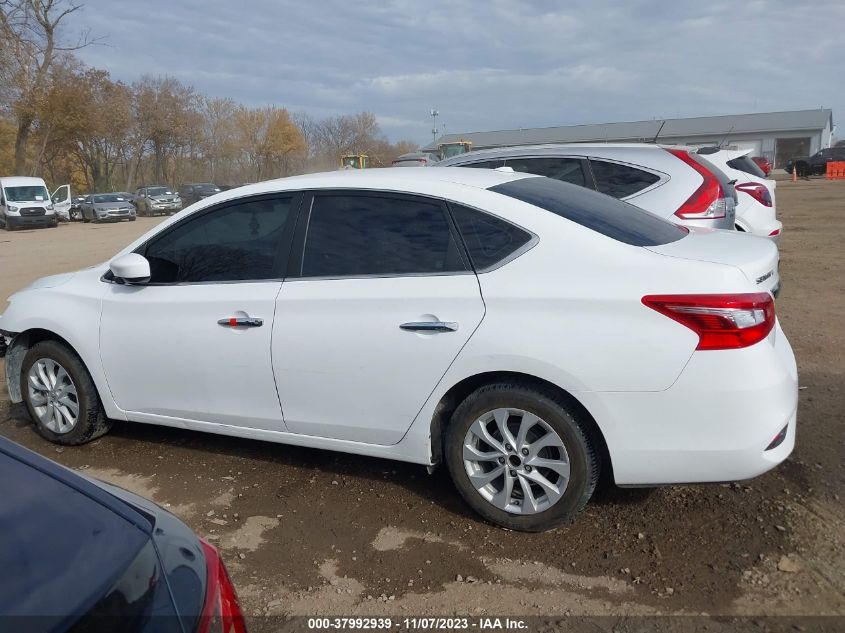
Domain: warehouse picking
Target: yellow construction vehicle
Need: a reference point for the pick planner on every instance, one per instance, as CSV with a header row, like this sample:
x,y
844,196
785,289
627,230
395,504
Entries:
x,y
454,148
354,161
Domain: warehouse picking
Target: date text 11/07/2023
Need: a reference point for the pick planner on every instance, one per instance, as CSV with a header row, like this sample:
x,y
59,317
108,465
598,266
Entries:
x,y
417,624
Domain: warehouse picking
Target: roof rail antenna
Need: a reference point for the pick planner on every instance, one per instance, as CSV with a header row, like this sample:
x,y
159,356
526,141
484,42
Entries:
x,y
659,130
725,137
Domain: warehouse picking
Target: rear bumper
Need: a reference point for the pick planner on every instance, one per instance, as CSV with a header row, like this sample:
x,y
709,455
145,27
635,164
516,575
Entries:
x,y
714,424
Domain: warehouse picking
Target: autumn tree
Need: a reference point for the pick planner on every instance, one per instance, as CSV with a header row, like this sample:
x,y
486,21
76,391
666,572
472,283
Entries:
x,y
30,31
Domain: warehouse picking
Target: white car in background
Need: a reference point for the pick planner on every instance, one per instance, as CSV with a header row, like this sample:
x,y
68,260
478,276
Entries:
x,y
672,182
756,211
527,332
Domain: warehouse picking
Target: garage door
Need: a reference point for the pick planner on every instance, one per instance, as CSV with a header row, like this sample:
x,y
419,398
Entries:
x,y
756,147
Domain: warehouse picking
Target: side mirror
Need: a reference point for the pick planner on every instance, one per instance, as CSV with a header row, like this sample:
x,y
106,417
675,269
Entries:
x,y
131,268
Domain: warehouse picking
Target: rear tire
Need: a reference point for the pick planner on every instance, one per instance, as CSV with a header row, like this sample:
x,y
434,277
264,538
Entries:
x,y
549,443
61,396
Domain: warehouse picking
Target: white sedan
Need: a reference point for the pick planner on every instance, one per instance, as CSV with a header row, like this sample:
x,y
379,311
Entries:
x,y
527,332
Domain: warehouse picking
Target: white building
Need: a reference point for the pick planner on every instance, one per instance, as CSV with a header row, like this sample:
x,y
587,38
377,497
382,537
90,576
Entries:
x,y
776,135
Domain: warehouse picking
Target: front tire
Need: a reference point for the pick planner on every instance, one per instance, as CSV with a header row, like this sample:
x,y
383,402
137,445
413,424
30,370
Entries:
x,y
521,457
61,396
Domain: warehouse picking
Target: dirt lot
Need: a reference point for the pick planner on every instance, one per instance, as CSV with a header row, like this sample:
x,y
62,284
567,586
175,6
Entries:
x,y
311,532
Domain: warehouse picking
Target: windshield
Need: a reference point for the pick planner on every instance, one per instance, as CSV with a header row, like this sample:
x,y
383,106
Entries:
x,y
32,193
611,217
109,197
159,191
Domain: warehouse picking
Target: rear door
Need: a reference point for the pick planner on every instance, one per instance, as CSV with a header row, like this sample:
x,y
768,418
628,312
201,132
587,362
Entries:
x,y
378,302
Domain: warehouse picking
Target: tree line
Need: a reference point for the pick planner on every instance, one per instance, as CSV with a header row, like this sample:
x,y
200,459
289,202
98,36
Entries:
x,y
67,122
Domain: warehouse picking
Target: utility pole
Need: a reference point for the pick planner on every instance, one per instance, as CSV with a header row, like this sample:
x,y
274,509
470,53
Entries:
x,y
434,115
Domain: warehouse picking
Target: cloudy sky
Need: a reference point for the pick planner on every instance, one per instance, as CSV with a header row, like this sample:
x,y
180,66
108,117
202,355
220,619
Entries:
x,y
485,65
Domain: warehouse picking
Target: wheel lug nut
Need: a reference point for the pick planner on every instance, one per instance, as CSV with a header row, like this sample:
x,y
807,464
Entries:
x,y
525,451
513,473
508,448
527,468
501,460
516,502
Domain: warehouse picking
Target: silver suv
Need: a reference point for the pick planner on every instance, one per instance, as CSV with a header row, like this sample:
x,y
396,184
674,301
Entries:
x,y
670,181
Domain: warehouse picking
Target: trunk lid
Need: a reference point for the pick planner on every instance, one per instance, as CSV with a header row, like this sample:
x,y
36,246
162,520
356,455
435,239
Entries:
x,y
756,257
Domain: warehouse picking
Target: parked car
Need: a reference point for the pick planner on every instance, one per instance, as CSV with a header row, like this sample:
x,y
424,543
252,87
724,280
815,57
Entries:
x,y
194,192
763,163
75,211
527,332
815,165
156,200
415,159
107,207
756,211
672,182
82,555
25,202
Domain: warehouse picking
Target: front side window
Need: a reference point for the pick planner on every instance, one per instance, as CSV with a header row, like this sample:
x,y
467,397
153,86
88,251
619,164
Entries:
x,y
489,240
620,181
563,169
359,235
238,242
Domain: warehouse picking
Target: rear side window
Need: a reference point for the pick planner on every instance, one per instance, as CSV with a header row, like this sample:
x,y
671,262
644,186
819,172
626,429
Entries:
x,y
238,242
563,169
489,240
620,181
352,235
744,163
618,220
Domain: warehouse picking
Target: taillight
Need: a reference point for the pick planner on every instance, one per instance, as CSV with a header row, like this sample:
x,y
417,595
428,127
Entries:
x,y
756,190
221,612
706,202
721,321
774,233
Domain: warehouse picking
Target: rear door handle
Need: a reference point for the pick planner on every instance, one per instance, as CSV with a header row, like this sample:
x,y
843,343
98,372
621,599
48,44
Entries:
x,y
241,322
430,326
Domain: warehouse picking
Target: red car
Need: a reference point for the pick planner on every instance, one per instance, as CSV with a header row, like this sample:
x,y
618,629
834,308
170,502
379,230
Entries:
x,y
763,163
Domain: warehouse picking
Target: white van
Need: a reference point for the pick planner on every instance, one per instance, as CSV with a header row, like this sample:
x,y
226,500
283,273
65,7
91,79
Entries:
x,y
25,202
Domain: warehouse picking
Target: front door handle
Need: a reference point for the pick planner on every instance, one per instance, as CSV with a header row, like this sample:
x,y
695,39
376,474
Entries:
x,y
430,326
241,322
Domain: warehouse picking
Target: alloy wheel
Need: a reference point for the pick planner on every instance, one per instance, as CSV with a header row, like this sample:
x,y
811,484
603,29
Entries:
x,y
53,396
516,461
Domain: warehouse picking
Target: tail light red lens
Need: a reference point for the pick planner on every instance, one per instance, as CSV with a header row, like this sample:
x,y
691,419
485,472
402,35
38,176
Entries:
x,y
756,190
221,612
721,321
706,202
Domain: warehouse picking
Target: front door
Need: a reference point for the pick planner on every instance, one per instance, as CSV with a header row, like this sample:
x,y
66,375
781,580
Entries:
x,y
194,343
61,201
381,303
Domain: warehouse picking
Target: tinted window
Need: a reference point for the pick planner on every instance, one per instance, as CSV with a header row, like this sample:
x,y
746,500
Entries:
x,y
236,243
489,239
563,169
485,164
620,181
619,220
368,235
744,163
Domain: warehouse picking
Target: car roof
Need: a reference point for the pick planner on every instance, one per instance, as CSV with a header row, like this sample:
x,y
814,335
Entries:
x,y
65,539
386,178
21,181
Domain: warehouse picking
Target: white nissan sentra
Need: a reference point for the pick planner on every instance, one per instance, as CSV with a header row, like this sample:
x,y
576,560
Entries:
x,y
527,332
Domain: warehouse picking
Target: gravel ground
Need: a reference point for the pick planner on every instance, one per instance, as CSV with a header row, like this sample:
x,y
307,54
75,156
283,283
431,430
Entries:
x,y
311,532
